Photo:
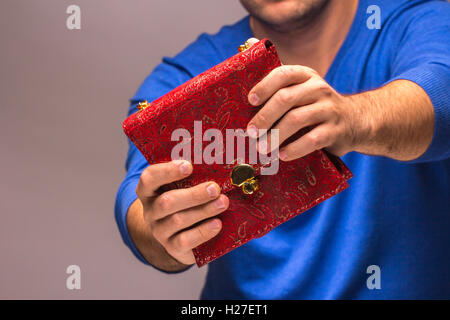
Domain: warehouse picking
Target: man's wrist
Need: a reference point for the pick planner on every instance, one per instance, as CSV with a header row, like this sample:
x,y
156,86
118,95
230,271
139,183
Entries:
x,y
363,124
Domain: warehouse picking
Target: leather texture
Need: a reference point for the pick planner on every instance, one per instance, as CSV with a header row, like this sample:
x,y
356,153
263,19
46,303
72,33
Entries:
x,y
218,98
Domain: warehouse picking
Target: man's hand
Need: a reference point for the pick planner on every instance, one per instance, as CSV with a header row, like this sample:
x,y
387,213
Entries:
x,y
166,227
299,97
395,121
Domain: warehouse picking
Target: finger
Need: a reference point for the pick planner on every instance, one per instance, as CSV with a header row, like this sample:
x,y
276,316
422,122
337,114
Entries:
x,y
167,227
318,138
293,121
191,238
156,175
281,102
179,199
278,78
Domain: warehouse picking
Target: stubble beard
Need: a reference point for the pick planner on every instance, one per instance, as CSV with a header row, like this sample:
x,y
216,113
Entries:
x,y
304,16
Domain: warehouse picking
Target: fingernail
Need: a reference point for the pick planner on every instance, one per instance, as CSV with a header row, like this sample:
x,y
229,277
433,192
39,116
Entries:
x,y
252,131
282,154
262,146
214,224
220,204
185,168
253,99
212,190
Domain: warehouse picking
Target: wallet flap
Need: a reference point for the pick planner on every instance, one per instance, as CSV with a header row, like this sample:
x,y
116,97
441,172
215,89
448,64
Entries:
x,y
214,100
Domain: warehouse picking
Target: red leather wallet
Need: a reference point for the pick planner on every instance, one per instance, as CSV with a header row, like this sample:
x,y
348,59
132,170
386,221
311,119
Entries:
x,y
218,98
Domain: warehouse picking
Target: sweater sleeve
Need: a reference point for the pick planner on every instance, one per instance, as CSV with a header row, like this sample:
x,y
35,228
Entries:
x,y
423,57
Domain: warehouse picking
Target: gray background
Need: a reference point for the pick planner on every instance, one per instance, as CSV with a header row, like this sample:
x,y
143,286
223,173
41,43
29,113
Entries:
x,y
64,95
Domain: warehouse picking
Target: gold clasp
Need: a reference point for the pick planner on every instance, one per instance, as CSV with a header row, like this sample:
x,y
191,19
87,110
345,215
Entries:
x,y
243,175
244,46
143,105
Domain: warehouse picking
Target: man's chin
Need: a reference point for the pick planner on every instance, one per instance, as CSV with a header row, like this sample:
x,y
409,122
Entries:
x,y
285,16
281,25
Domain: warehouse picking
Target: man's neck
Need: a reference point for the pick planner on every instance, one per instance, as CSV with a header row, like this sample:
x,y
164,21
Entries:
x,y
316,44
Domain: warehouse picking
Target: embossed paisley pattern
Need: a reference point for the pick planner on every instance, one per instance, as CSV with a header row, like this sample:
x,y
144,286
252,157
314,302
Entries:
x,y
218,97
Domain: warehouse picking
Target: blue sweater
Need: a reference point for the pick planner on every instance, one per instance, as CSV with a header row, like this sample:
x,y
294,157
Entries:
x,y
395,215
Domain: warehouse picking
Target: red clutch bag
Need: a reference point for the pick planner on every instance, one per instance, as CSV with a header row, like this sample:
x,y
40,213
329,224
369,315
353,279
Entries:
x,y
218,98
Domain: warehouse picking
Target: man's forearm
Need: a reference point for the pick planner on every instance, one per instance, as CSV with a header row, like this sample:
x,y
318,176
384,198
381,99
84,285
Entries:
x,y
147,245
401,121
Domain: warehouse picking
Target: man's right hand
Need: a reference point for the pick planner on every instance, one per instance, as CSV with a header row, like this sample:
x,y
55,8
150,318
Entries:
x,y
166,227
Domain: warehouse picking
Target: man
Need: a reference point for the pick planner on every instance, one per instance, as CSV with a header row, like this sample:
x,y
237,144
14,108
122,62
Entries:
x,y
378,97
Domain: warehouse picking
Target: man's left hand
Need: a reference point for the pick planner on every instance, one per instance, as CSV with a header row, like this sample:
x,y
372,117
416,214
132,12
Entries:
x,y
299,97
